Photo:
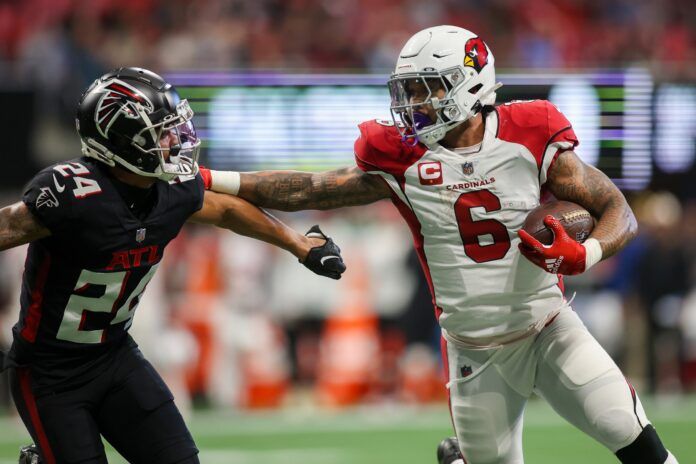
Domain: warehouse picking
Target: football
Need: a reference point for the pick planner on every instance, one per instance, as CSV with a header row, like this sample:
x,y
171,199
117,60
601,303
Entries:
x,y
575,219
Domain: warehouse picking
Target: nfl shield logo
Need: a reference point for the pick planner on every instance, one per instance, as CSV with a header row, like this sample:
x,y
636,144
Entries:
x,y
140,235
468,168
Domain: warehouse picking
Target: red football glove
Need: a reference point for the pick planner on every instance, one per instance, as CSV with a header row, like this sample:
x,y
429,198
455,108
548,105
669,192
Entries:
x,y
563,256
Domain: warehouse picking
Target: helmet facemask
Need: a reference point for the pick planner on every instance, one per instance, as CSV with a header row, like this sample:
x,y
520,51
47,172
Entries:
x,y
133,118
458,72
182,159
171,161
463,99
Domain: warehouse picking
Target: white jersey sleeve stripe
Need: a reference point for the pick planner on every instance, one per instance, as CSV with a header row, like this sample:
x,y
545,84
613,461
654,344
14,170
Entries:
x,y
394,185
550,155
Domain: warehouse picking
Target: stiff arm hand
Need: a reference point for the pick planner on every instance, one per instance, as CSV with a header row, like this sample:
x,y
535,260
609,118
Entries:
x,y
242,217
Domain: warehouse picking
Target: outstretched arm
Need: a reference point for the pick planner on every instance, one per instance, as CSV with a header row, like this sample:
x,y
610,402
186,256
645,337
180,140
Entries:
x,y
240,216
316,251
19,226
572,180
294,190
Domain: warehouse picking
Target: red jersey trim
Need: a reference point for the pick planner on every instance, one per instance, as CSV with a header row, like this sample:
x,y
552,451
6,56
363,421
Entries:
x,y
30,402
415,226
366,164
540,163
33,317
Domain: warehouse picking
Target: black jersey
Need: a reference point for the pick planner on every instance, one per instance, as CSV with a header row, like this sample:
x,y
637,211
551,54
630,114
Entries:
x,y
82,284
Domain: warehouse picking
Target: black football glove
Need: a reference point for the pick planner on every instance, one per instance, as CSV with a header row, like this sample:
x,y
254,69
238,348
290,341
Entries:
x,y
324,260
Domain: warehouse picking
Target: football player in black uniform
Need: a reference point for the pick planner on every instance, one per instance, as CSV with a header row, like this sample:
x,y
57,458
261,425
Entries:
x,y
98,226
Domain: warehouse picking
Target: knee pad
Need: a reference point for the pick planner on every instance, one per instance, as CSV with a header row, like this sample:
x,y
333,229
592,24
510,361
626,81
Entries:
x,y
646,449
617,426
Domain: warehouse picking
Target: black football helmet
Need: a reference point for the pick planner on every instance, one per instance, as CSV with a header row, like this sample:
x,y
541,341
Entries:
x,y
123,115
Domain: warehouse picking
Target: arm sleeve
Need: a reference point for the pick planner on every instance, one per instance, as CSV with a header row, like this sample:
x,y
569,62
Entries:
x,y
364,152
561,137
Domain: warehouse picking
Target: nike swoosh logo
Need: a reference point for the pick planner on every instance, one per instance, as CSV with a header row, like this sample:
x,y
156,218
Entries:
x,y
59,187
328,257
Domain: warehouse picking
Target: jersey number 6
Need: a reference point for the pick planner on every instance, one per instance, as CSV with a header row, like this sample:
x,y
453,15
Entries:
x,y
471,230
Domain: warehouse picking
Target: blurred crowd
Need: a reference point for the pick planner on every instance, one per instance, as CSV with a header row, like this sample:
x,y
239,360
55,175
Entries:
x,y
53,49
59,38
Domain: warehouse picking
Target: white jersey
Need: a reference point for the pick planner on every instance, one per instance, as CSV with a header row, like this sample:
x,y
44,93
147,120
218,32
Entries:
x,y
464,208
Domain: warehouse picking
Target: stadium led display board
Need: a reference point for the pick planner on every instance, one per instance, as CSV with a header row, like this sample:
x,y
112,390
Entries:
x,y
627,126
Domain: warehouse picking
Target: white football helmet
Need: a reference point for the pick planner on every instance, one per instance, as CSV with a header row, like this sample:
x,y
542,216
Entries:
x,y
445,57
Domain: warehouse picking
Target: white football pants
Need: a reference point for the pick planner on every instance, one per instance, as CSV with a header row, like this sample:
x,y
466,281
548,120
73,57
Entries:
x,y
563,364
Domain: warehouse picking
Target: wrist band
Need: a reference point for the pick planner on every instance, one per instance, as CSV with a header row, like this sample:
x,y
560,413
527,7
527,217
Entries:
x,y
593,253
225,182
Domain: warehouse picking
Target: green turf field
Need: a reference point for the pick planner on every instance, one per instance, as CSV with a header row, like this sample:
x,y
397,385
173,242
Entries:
x,y
387,434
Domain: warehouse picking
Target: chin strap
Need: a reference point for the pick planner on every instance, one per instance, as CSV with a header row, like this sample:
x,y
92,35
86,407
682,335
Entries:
x,y
431,139
481,94
171,171
94,149
423,121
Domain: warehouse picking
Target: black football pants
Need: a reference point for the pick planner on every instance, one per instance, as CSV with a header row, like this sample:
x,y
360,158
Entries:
x,y
129,405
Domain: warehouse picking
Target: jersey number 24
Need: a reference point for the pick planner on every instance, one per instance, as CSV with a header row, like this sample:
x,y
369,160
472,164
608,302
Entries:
x,y
113,301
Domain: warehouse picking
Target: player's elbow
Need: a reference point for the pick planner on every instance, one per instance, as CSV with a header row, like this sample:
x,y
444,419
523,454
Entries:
x,y
628,220
619,204
632,231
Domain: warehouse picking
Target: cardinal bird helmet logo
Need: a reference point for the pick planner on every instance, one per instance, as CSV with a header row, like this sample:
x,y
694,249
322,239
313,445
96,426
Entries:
x,y
475,54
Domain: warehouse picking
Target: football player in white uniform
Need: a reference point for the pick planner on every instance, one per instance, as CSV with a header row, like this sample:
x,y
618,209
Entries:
x,y
464,175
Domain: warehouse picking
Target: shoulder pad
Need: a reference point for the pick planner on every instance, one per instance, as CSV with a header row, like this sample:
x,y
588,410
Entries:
x,y
536,124
49,195
379,148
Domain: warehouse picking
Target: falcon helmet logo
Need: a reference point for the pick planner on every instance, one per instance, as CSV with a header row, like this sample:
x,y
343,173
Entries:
x,y
475,54
119,99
